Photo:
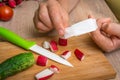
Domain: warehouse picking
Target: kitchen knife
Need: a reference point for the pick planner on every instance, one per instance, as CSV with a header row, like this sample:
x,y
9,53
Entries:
x,y
80,28
28,45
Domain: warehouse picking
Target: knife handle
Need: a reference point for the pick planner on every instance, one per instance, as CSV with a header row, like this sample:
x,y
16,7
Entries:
x,y
15,39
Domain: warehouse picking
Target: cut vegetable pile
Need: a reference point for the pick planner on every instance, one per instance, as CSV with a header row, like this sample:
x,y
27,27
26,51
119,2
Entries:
x,y
52,45
42,61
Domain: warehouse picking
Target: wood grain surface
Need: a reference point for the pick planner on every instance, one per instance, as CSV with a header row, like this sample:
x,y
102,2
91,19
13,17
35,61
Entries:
x,y
22,22
95,66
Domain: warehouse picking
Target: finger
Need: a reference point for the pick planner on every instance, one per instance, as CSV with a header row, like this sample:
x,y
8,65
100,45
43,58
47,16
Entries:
x,y
44,16
104,42
42,28
55,16
116,42
103,20
112,29
39,25
65,17
105,34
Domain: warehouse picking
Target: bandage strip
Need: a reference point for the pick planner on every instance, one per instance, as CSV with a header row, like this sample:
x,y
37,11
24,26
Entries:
x,y
80,28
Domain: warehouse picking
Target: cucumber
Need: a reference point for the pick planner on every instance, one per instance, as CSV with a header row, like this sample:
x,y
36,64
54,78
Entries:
x,y
16,64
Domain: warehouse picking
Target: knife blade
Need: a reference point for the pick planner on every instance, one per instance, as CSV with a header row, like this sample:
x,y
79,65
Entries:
x,y
28,45
80,28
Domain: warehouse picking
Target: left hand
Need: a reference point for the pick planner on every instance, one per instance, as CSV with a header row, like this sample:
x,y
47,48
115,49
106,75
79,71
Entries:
x,y
107,36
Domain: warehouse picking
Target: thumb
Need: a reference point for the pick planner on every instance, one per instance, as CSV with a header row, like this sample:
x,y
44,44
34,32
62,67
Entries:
x,y
111,29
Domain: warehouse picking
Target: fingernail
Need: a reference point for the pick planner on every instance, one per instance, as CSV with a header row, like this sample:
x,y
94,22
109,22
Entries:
x,y
61,32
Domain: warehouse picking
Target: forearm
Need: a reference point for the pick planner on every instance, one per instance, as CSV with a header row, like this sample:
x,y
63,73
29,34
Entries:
x,y
68,5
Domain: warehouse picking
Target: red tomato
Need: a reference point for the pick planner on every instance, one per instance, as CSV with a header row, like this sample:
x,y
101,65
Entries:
x,y
6,13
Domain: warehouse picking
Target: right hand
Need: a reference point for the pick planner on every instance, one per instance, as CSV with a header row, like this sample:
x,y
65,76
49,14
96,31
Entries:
x,y
50,15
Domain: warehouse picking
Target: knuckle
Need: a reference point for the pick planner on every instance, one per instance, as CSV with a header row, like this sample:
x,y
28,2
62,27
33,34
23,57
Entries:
x,y
50,28
53,12
42,15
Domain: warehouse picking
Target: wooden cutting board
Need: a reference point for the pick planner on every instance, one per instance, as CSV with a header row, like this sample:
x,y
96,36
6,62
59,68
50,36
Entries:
x,y
95,66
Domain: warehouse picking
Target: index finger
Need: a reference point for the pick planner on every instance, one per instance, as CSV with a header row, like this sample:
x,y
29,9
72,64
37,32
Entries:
x,y
55,15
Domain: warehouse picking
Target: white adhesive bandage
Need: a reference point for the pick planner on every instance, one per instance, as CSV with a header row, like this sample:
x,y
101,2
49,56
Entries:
x,y
80,28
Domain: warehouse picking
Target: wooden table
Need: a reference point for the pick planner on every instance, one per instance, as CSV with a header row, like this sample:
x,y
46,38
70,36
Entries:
x,y
22,22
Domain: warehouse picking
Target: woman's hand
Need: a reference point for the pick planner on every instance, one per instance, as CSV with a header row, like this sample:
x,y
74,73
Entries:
x,y
107,36
51,15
